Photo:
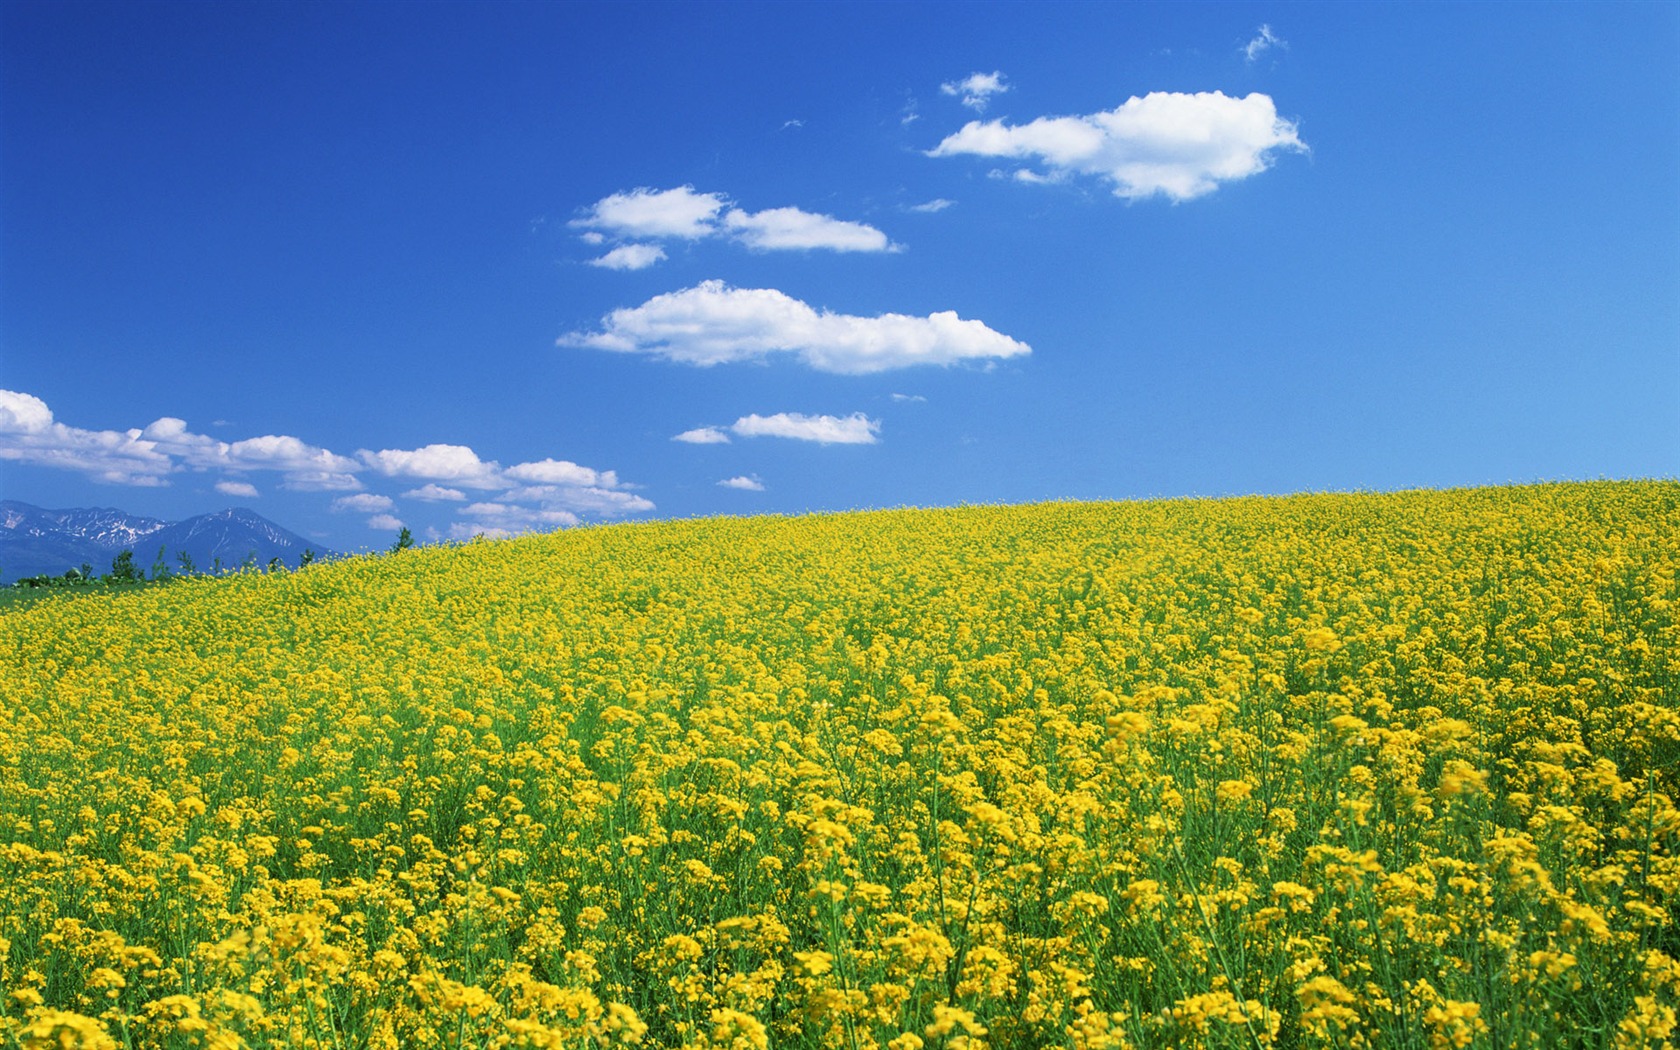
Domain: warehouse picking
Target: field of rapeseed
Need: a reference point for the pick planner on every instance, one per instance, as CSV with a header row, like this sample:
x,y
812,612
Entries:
x,y
1324,771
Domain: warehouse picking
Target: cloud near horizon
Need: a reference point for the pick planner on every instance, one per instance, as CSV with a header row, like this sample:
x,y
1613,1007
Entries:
x,y
642,214
550,489
1181,146
713,323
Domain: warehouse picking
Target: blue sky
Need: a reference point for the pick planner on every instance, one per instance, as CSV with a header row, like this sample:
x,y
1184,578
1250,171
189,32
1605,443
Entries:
x,y
485,268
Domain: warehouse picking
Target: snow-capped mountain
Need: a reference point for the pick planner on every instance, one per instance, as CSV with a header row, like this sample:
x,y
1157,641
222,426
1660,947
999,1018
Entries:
x,y
34,541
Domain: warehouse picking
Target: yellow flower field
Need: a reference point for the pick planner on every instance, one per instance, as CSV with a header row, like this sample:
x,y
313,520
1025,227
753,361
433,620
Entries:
x,y
1352,771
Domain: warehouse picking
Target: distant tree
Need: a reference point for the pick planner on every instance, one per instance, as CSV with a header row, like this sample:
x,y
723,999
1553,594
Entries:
x,y
187,566
276,565
216,564
87,572
308,556
160,567
249,563
122,568
405,540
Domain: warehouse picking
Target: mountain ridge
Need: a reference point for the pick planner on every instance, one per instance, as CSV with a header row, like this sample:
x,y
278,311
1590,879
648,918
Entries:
x,y
38,541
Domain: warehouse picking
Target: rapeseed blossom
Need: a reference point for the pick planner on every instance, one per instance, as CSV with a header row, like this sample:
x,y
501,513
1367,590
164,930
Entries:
x,y
1323,771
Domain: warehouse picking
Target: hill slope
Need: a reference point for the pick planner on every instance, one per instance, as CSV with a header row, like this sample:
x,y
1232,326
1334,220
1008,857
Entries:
x,y
1252,772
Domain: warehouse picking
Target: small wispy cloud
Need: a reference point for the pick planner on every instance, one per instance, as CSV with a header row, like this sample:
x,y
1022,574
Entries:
x,y
630,257
938,204
855,429
1264,41
912,398
385,522
744,483
242,489
976,89
435,493
363,503
703,436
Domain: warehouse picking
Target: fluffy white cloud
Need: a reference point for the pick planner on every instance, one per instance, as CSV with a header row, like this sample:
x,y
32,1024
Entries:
x,y
703,436
561,472
1172,143
792,229
23,413
303,466
855,429
498,519
435,493
363,503
744,483
630,257
1264,40
644,212
384,522
30,434
976,89
456,463
713,324
559,488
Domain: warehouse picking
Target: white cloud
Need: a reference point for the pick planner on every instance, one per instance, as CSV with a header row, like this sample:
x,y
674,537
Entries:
x,y
1264,40
744,483
908,397
435,493
1171,143
855,429
713,323
684,213
582,499
976,89
456,463
630,257
703,436
384,522
280,452
938,204
321,481
561,472
559,488
363,503
494,518
472,530
23,413
30,434
792,229
644,212
303,466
